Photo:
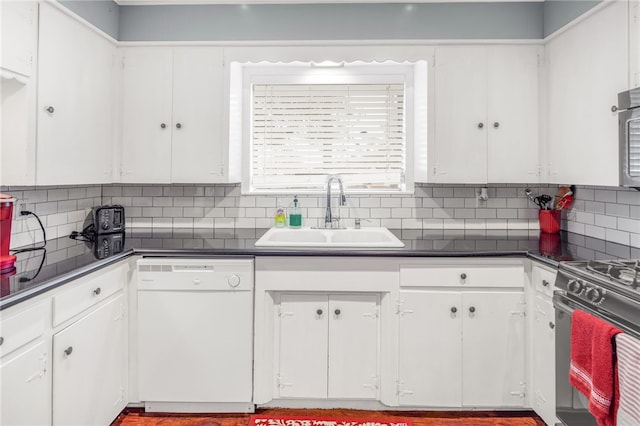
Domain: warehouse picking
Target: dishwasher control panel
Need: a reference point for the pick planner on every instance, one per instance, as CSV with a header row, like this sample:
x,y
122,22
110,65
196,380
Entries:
x,y
224,274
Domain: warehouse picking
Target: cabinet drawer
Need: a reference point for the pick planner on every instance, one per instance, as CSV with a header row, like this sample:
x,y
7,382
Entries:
x,y
461,276
543,279
87,291
23,327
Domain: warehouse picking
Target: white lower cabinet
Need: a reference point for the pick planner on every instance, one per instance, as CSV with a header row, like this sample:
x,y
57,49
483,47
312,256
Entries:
x,y
90,367
25,364
544,344
461,349
327,346
25,387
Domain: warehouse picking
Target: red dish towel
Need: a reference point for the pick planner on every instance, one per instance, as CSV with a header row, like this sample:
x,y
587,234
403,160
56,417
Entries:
x,y
592,369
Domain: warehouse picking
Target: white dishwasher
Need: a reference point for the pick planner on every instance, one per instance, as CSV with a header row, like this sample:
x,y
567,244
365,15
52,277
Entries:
x,y
195,333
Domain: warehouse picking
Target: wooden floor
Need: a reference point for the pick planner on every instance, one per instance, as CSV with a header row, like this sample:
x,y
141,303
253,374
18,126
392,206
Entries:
x,y
136,417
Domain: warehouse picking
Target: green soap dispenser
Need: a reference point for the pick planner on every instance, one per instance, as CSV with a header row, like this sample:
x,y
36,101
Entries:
x,y
295,217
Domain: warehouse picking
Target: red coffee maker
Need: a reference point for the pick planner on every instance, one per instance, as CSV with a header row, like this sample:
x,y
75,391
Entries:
x,y
6,216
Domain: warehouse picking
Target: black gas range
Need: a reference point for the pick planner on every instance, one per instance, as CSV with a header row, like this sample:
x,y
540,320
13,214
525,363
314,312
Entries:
x,y
609,287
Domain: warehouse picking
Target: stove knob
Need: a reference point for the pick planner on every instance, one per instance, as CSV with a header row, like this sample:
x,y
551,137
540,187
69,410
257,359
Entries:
x,y
575,286
105,225
595,295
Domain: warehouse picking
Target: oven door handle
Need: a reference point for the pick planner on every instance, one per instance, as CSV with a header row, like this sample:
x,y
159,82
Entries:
x,y
563,304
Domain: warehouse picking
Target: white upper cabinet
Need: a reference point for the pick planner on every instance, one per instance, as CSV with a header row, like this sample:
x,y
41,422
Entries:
x,y
19,29
587,66
146,115
76,102
18,51
486,114
172,115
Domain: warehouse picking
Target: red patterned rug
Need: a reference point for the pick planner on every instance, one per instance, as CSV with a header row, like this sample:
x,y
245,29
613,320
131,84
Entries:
x,y
260,420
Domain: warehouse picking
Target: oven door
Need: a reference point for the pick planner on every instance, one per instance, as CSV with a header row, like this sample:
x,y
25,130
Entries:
x,y
571,405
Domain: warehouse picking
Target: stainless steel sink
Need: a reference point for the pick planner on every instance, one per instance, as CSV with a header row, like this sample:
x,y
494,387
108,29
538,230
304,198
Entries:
x,y
319,237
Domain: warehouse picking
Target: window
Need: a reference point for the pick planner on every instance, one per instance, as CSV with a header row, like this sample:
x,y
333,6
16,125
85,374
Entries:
x,y
303,122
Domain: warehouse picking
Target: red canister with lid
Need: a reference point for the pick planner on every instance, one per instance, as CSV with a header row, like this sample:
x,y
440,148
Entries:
x,y
6,217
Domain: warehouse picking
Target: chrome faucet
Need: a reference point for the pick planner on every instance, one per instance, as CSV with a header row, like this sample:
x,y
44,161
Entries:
x,y
329,219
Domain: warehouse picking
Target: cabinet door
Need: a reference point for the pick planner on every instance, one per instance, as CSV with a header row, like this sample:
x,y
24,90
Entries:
x,y
512,114
493,342
353,346
587,68
76,118
146,115
25,397
544,371
461,115
430,358
91,352
303,346
197,115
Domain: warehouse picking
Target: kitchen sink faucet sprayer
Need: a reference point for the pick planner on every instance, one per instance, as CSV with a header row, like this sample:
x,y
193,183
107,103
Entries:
x,y
328,216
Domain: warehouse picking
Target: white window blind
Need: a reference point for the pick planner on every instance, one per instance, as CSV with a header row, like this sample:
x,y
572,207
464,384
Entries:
x,y
300,133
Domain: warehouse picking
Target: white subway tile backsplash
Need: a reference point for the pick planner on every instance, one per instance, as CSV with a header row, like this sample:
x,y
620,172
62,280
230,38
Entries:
x,y
593,206
629,225
595,231
151,191
612,209
616,236
629,197
162,201
605,195
132,191
606,221
600,212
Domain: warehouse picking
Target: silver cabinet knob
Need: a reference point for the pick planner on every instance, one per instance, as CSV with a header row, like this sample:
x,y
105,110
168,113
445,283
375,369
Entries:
x,y
614,108
496,125
97,291
545,283
163,126
463,276
337,311
480,125
50,109
178,126
454,309
68,350
472,309
319,312
551,325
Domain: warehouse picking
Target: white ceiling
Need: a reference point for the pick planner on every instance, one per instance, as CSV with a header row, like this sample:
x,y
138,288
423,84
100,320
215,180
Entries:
x,y
241,2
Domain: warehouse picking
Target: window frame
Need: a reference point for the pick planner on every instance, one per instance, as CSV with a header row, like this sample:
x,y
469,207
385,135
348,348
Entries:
x,y
404,72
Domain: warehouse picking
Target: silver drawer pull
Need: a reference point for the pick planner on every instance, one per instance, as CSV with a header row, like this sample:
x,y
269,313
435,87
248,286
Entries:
x,y
545,283
97,291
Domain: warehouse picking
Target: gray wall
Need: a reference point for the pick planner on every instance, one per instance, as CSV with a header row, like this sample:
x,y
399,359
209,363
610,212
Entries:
x,y
104,14
526,20
332,22
558,13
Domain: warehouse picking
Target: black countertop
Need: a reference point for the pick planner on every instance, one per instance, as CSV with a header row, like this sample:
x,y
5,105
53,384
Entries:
x,y
65,259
